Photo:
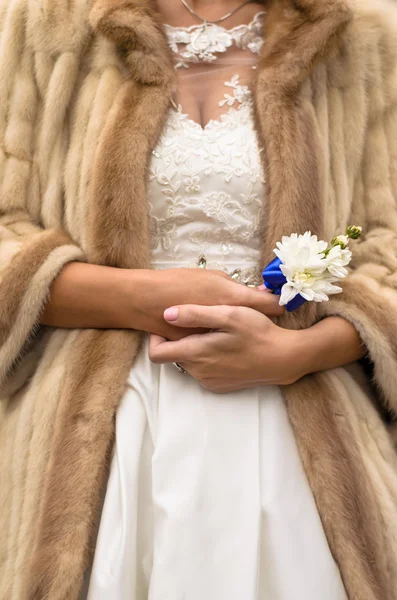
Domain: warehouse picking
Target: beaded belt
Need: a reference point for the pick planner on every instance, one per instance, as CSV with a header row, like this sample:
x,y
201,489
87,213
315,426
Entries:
x,y
249,276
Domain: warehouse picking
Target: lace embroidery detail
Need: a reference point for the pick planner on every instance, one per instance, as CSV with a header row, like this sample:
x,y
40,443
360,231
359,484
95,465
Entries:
x,y
241,93
206,188
203,43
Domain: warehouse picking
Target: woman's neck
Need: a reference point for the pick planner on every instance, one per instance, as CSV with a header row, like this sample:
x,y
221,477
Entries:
x,y
175,13
224,6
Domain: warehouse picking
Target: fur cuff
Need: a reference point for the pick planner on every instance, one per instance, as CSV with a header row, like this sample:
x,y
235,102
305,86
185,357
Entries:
x,y
24,288
372,309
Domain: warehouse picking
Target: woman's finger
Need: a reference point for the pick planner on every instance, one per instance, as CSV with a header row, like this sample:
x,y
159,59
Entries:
x,y
265,302
185,350
156,340
205,317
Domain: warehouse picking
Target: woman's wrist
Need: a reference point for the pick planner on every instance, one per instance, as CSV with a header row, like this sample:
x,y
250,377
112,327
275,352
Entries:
x,y
299,354
330,343
138,292
290,354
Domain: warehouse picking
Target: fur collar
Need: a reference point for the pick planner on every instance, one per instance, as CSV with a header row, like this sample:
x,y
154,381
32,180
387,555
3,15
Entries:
x,y
296,31
135,27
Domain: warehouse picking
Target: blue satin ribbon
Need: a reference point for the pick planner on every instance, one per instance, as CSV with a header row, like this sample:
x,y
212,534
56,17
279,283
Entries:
x,y
274,280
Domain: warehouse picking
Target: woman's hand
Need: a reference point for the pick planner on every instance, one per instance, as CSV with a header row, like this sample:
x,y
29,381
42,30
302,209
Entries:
x,y
246,349
161,289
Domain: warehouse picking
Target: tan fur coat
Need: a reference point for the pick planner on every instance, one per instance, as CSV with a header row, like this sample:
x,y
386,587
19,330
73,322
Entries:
x,y
84,90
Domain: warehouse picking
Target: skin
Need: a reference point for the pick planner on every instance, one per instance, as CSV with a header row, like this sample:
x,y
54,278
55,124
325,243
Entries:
x,y
221,332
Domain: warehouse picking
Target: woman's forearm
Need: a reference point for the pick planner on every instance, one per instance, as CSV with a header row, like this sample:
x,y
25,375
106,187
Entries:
x,y
331,343
92,296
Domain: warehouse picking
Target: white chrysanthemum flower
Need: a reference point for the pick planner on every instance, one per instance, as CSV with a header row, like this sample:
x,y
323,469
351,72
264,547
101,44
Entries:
x,y
313,289
337,259
302,251
307,269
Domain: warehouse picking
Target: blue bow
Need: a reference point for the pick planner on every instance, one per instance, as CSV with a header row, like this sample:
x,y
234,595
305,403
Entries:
x,y
274,280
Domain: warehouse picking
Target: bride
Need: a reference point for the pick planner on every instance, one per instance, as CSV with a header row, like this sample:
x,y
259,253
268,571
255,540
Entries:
x,y
249,458
207,496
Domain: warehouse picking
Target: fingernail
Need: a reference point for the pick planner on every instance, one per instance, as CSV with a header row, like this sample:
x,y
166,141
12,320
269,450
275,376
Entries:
x,y
171,314
263,288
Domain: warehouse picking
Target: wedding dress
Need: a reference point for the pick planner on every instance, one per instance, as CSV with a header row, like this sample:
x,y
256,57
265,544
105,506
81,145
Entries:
x,y
207,498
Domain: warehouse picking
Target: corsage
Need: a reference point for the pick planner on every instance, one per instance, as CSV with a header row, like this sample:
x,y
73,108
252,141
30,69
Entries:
x,y
306,268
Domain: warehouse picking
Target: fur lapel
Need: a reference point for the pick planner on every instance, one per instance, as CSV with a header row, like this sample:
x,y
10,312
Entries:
x,y
297,34
295,37
118,223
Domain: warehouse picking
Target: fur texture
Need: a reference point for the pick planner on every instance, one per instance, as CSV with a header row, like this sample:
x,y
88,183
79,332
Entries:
x,y
85,90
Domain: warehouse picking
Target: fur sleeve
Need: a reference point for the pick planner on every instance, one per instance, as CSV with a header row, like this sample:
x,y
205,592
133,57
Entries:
x,y
37,81
369,298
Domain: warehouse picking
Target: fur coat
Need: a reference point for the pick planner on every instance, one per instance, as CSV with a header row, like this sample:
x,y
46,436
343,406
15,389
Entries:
x,y
85,89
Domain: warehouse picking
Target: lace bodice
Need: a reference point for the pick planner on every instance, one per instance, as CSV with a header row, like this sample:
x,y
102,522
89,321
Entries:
x,y
206,183
206,190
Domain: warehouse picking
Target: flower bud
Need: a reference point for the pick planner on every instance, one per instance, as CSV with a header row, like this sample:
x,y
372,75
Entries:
x,y
354,232
341,240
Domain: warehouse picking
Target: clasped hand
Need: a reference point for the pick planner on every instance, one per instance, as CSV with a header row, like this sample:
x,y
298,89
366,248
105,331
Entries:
x,y
243,348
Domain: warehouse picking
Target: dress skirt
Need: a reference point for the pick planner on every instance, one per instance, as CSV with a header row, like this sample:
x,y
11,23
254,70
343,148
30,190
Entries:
x,y
207,499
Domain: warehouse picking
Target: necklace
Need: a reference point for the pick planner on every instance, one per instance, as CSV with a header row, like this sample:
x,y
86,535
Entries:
x,y
208,38
206,22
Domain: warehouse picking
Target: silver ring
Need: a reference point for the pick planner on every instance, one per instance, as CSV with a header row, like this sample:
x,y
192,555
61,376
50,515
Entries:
x,y
180,369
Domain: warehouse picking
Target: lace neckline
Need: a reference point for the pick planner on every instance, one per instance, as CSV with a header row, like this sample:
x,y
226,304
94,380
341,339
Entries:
x,y
214,125
240,95
256,22
202,42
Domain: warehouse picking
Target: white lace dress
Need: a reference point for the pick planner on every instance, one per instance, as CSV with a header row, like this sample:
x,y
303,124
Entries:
x,y
207,498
